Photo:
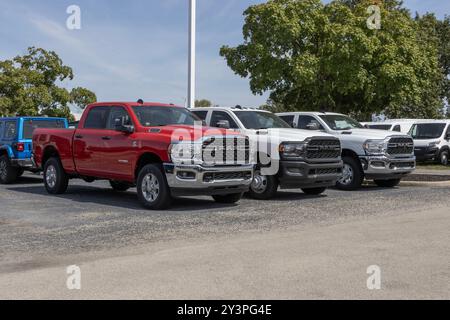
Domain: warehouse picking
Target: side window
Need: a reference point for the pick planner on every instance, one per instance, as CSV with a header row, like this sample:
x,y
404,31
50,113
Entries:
x,y
10,129
1,129
220,116
201,114
288,119
306,123
117,113
397,128
97,117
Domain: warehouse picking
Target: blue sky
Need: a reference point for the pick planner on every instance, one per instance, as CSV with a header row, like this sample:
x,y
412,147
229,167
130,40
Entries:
x,y
138,48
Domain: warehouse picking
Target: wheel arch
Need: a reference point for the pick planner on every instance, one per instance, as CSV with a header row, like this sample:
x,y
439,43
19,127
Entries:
x,y
145,159
49,152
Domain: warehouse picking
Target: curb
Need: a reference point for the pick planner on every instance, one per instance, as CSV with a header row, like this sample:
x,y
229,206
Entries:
x,y
425,183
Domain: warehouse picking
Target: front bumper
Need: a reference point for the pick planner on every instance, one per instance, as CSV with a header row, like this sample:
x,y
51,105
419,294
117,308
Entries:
x,y
383,167
424,154
299,174
185,180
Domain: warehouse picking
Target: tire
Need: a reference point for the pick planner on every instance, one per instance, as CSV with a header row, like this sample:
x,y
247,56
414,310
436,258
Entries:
x,y
228,198
263,187
443,158
314,191
56,179
20,172
353,175
153,190
119,186
387,183
8,173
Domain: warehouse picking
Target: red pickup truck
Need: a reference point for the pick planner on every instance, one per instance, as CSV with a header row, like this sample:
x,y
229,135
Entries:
x,y
162,149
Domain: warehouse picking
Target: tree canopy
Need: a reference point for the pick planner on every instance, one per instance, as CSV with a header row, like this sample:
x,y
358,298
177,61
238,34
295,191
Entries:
x,y
315,56
32,85
203,103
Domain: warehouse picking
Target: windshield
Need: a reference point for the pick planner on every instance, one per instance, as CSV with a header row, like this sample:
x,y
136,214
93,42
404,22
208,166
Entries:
x,y
424,131
151,116
30,125
260,120
340,122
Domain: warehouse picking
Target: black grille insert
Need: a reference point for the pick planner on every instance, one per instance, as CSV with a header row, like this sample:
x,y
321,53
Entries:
x,y
400,146
318,149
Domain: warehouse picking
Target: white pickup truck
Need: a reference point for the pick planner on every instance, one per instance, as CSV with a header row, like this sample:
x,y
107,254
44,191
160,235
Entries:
x,y
286,157
383,156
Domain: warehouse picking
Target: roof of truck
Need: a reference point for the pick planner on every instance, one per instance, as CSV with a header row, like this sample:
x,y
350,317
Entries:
x,y
316,113
228,109
31,117
134,104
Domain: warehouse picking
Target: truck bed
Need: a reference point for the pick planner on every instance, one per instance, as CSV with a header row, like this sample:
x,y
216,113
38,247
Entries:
x,y
46,140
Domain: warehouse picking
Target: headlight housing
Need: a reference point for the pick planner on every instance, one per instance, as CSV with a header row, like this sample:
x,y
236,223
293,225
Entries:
x,y
433,144
292,150
375,147
188,152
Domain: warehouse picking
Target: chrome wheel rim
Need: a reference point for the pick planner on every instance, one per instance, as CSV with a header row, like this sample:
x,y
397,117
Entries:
x,y
3,169
444,159
259,183
347,175
150,187
50,176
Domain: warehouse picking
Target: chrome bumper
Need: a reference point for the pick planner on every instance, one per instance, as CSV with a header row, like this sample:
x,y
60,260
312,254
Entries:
x,y
375,166
208,180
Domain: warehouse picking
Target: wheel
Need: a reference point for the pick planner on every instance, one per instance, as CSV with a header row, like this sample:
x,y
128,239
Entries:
x,y
119,186
387,183
443,157
20,172
263,187
56,179
8,173
353,175
228,198
314,191
153,190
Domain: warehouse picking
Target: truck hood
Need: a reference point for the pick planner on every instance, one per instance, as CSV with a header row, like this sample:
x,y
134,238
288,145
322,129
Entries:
x,y
286,135
189,133
366,134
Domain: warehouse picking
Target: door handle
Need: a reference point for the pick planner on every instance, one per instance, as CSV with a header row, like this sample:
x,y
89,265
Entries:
x,y
78,137
106,138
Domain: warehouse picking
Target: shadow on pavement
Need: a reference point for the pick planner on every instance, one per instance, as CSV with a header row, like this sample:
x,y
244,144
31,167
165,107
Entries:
x,y
126,200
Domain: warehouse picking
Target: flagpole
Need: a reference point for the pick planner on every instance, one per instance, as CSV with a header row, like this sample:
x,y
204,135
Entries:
x,y
192,44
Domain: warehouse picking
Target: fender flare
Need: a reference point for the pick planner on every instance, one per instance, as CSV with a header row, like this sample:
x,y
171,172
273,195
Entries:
x,y
9,151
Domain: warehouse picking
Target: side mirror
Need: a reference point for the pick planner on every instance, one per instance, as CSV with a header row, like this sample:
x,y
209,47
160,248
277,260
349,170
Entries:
x,y
447,136
224,124
292,124
120,125
313,126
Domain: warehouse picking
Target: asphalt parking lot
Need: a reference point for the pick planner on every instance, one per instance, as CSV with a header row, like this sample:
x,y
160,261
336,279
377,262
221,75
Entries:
x,y
100,229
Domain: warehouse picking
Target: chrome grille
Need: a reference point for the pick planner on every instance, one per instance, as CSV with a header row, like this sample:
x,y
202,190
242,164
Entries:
x,y
319,149
400,146
227,150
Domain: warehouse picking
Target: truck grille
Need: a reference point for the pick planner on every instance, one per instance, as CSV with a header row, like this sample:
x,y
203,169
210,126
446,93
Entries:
x,y
400,146
319,149
226,151
223,176
324,171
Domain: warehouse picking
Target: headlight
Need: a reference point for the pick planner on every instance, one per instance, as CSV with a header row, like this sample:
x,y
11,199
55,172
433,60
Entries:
x,y
433,144
185,152
292,149
375,147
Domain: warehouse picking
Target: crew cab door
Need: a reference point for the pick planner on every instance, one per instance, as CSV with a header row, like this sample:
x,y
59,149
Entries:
x,y
101,151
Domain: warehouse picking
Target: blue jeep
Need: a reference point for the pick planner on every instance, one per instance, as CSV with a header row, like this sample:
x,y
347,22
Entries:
x,y
16,136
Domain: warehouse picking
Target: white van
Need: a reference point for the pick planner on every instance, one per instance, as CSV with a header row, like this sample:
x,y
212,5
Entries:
x,y
431,140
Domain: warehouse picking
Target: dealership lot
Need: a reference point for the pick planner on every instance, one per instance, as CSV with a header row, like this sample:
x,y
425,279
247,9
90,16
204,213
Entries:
x,y
295,246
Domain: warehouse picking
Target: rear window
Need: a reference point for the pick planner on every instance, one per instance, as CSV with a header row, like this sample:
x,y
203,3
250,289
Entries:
x,y
380,126
30,125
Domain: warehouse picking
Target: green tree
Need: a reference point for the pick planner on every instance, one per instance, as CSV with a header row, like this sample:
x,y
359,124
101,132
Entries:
x,y
315,56
32,85
203,103
81,97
